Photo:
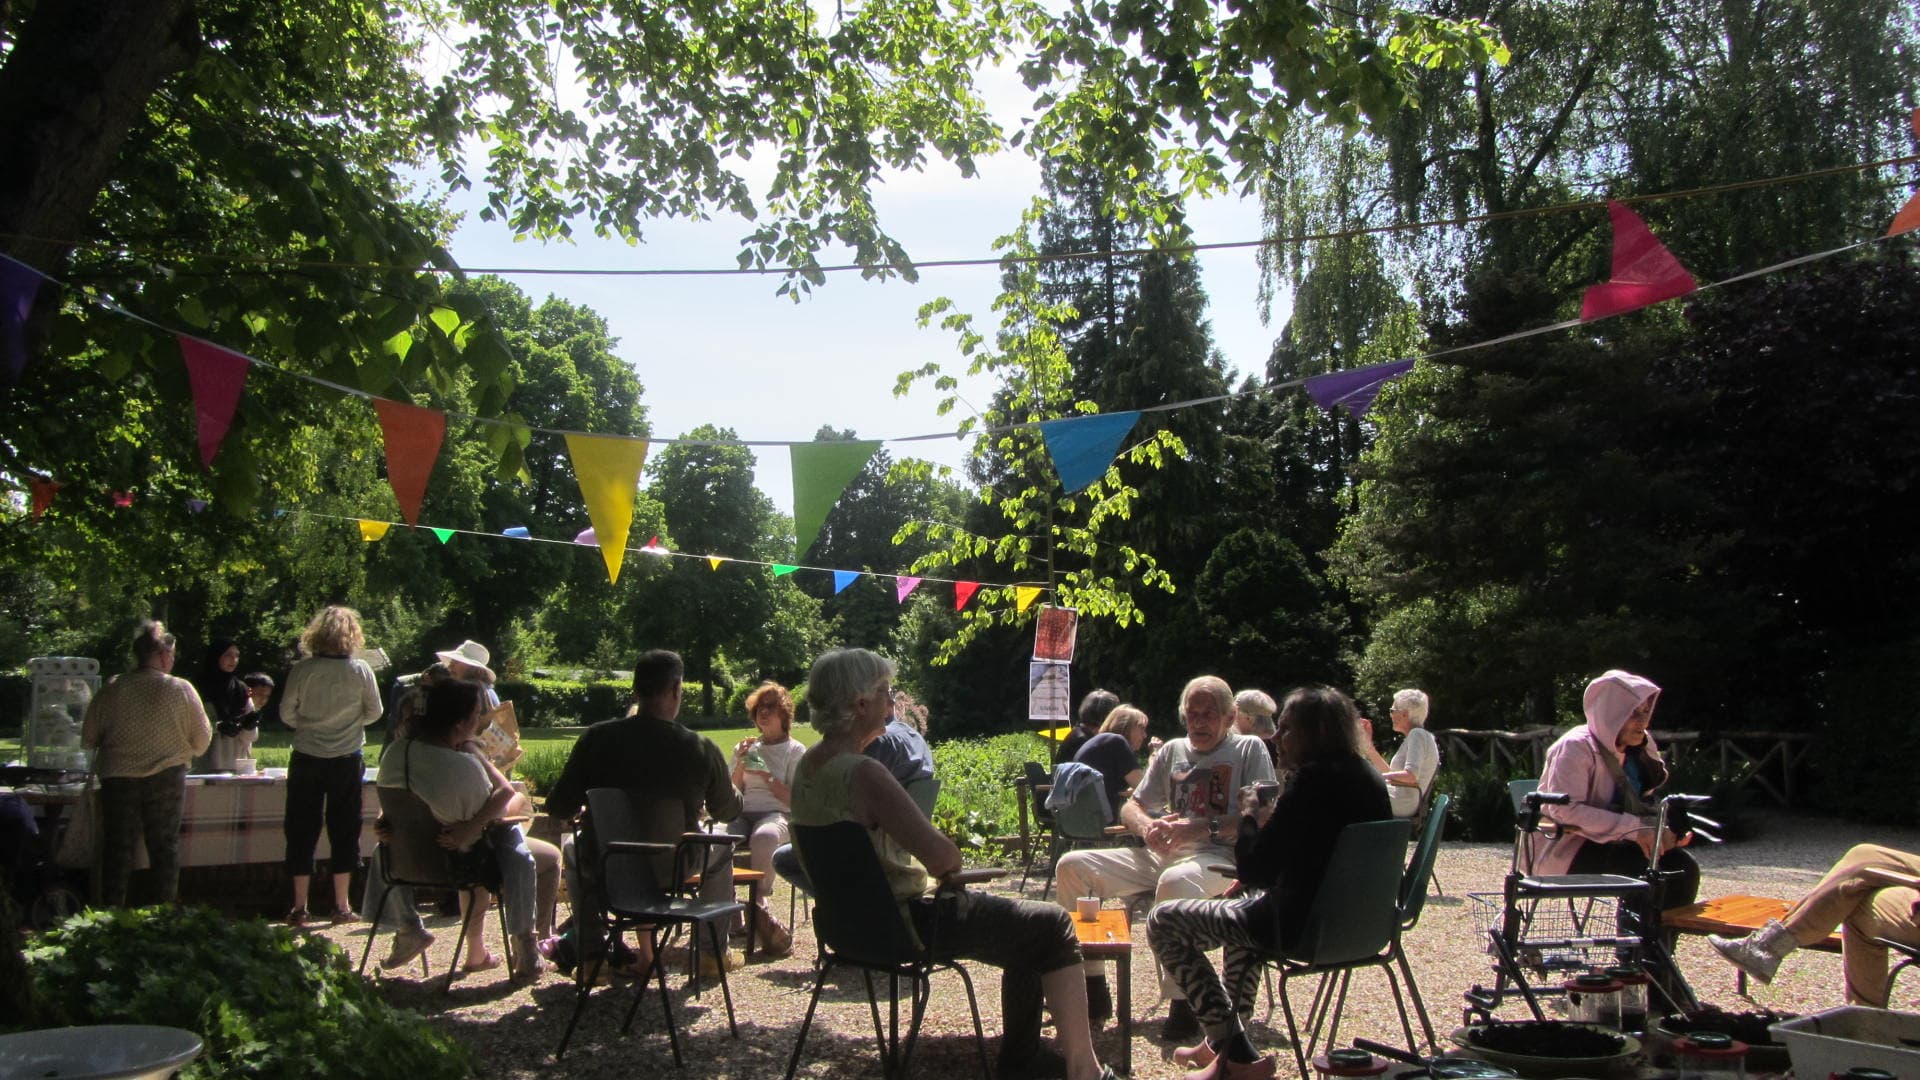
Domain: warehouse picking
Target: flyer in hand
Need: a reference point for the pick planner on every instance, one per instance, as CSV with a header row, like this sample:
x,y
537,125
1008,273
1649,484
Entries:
x,y
501,737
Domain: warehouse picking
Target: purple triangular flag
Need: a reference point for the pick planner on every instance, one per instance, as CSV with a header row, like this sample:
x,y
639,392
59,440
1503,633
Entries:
x,y
19,286
1354,389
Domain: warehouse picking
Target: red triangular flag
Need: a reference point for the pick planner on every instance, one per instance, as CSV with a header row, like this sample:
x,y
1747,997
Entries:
x,y
1908,219
42,494
216,375
413,436
123,499
1644,271
962,592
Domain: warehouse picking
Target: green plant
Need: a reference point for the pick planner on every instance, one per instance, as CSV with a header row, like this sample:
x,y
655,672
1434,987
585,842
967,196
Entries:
x,y
266,1001
977,803
541,766
1482,809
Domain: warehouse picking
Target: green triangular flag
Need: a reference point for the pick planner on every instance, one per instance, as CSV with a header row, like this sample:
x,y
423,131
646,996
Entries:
x,y
781,569
821,471
443,534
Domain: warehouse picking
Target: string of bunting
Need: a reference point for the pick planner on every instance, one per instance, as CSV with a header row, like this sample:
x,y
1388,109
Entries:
x,y
1082,448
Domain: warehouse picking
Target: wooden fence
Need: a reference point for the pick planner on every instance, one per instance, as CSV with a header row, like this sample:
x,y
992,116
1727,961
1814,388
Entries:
x,y
1768,762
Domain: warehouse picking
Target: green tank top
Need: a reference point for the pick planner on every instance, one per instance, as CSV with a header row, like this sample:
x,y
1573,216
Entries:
x,y
824,795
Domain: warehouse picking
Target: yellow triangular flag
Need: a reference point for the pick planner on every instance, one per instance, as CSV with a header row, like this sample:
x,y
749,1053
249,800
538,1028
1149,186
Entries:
x,y
1025,595
608,468
713,561
373,530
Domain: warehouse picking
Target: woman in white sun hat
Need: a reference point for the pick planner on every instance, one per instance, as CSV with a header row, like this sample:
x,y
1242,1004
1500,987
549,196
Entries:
x,y
469,661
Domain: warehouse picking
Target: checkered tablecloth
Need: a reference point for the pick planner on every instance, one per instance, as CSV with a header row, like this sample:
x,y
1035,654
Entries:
x,y
232,822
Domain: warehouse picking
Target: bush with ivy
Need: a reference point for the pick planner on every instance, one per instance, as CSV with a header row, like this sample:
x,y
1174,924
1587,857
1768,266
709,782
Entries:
x,y
978,801
266,1001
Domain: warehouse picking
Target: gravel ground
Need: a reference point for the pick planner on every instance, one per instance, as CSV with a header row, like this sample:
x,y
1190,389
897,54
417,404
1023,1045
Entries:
x,y
514,1028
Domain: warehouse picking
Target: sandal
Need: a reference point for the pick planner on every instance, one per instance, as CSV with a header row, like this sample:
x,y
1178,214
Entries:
x,y
298,918
485,963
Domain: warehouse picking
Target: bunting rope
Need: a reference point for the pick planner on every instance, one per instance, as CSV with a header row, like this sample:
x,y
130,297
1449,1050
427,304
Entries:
x,y
1294,240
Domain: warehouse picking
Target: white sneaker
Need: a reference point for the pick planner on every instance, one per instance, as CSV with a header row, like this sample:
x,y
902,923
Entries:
x,y
1759,953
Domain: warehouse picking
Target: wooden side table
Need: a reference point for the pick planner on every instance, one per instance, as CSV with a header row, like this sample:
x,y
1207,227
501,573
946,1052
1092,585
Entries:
x,y
1734,916
1110,937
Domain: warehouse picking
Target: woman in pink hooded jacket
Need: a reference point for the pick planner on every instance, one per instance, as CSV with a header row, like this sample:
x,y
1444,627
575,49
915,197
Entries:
x,y
1610,767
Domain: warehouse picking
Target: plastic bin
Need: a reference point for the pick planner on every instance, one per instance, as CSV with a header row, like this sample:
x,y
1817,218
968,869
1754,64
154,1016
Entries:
x,y
1834,1041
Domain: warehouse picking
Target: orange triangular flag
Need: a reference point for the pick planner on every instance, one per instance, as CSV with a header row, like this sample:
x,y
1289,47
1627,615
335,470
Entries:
x,y
413,437
1908,219
608,469
43,492
1644,271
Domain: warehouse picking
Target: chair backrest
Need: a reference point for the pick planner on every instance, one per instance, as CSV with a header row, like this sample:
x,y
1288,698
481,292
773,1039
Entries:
x,y
1413,884
413,856
855,914
1037,777
924,792
1357,907
1087,813
614,815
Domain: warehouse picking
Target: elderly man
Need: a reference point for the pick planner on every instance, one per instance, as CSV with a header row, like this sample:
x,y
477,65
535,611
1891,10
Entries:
x,y
1186,809
1414,764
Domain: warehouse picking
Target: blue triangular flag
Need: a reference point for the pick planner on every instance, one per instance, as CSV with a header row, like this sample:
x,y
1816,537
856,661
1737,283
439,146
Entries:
x,y
518,532
1083,446
842,579
19,286
1355,389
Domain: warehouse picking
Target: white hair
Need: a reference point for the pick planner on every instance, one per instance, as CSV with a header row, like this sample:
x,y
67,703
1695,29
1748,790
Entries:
x,y
1414,704
837,678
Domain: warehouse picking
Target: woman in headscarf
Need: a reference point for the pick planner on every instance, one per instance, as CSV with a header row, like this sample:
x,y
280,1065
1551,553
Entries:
x,y
229,707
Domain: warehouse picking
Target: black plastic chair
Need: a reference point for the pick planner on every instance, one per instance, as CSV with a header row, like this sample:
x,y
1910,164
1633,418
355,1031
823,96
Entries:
x,y
1909,956
1037,781
638,873
859,924
413,858
1413,900
1354,921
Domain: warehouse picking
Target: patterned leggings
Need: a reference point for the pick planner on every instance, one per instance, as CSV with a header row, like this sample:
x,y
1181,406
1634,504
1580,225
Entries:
x,y
1182,932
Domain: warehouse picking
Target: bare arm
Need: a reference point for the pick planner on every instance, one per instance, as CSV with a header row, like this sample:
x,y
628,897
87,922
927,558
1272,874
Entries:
x,y
879,802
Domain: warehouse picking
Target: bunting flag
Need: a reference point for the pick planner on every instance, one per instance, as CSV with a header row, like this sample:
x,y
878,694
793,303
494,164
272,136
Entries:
x,y
413,436
373,530
123,499
1644,271
587,537
19,288
1083,446
903,587
442,535
844,578
821,471
43,492
518,532
1354,389
714,561
962,592
653,546
608,468
1025,595
781,569
194,506
1908,219
216,375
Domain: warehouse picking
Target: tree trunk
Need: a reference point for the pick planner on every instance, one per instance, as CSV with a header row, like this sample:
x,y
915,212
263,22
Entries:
x,y
76,83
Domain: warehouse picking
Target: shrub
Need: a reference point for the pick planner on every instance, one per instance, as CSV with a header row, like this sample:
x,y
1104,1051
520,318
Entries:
x,y
540,766
1482,809
977,800
266,1001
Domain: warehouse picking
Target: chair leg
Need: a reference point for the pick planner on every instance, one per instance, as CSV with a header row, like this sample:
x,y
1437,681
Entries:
x,y
373,931
1293,1029
1413,991
879,1029
639,990
979,1033
453,965
666,1000
922,990
726,990
820,980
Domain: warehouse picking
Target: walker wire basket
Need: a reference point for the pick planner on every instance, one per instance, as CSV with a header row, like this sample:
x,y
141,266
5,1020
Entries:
x,y
1554,935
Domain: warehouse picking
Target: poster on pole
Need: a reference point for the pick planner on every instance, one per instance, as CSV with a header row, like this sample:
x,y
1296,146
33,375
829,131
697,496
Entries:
x,y
1054,634
1049,690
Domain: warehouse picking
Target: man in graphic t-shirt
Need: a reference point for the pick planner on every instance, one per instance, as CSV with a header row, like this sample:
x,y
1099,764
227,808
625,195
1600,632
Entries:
x,y
1186,809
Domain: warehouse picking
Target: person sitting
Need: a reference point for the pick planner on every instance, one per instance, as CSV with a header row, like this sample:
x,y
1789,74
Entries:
x,y
1033,943
763,771
1859,901
439,762
648,752
1610,767
1183,808
1333,786
1115,751
1253,715
1414,764
1089,720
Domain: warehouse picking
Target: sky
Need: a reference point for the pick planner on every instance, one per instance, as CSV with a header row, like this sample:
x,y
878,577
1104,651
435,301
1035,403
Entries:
x,y
728,351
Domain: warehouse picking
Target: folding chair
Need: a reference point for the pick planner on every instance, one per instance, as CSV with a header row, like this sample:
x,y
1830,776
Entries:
x,y
637,877
411,857
859,924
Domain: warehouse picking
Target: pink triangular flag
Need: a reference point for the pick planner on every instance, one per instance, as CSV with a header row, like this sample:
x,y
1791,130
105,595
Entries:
x,y
123,499
1644,271
216,375
413,436
962,592
1908,219
903,587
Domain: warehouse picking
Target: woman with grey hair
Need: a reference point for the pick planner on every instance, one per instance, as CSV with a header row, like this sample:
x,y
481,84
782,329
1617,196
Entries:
x,y
1253,715
850,696
1411,771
